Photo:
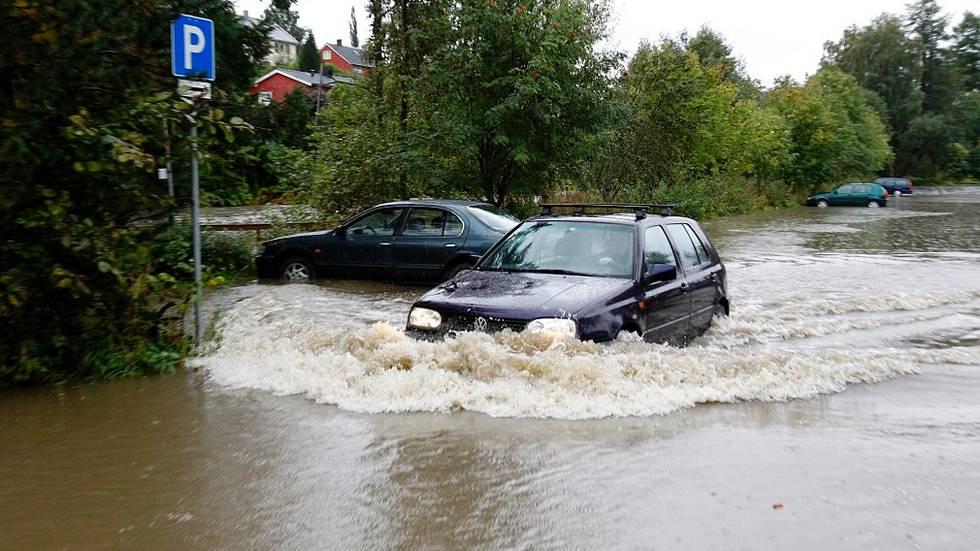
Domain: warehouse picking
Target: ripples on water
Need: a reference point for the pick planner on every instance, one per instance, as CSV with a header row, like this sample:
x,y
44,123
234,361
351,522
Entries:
x,y
813,311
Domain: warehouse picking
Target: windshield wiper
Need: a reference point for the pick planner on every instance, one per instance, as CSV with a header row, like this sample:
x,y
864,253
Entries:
x,y
558,272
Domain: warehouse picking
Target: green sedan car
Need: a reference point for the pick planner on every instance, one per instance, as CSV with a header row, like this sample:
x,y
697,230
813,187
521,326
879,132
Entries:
x,y
851,195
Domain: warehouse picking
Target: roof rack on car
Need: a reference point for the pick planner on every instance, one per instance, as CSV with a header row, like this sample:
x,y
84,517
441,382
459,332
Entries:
x,y
639,209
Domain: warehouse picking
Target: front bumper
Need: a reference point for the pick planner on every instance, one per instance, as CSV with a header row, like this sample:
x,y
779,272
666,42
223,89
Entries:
x,y
454,324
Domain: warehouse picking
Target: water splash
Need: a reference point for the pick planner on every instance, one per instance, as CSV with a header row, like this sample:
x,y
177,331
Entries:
x,y
280,341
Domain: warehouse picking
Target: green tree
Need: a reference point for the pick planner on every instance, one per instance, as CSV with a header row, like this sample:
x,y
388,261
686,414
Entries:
x,y
680,113
966,49
927,147
515,91
882,59
835,132
714,53
81,289
927,26
309,56
967,113
352,27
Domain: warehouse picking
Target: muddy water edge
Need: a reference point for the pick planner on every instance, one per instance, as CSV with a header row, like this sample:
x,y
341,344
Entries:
x,y
839,407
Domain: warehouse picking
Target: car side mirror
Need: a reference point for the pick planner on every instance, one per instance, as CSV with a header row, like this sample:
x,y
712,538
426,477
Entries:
x,y
340,231
660,272
834,192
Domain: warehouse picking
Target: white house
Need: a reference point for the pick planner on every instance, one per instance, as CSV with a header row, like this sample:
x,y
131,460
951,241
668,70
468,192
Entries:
x,y
283,47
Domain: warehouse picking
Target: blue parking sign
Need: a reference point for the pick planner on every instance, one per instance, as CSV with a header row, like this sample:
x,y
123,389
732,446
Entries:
x,y
192,47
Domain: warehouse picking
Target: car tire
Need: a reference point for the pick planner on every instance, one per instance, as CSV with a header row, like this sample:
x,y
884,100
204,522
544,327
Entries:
x,y
455,269
296,269
822,204
874,204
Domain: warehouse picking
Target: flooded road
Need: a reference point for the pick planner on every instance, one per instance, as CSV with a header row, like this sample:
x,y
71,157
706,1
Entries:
x,y
839,407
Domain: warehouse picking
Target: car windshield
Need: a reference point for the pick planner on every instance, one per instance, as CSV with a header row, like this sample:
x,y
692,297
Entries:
x,y
495,217
566,247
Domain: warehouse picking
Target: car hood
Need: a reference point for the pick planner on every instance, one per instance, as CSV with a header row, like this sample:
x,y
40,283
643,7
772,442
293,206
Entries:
x,y
522,295
297,236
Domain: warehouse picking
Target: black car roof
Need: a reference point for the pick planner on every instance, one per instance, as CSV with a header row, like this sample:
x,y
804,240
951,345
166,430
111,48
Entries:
x,y
617,218
434,203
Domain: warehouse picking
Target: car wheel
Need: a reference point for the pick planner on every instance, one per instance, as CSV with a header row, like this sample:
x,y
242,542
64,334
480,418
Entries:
x,y
296,269
873,204
455,270
823,203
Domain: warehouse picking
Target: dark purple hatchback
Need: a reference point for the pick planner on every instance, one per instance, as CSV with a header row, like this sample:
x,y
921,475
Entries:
x,y
586,274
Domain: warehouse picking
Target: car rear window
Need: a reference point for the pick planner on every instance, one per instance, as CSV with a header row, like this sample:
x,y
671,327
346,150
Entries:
x,y
495,217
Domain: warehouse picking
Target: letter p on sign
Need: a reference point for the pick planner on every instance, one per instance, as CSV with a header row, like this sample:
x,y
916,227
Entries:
x,y
192,47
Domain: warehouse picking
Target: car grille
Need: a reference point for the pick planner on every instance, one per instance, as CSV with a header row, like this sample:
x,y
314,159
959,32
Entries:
x,y
460,323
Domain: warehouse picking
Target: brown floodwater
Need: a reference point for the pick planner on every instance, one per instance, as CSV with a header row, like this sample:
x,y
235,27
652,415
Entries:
x,y
839,407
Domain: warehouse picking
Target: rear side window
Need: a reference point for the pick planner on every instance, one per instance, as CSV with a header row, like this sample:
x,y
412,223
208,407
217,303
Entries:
x,y
454,226
656,248
846,189
698,245
432,223
685,247
424,223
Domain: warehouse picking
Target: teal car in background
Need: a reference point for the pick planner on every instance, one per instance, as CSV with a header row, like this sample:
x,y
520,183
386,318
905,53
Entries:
x,y
851,195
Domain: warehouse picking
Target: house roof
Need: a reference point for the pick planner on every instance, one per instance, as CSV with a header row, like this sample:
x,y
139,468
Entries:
x,y
277,33
354,56
304,77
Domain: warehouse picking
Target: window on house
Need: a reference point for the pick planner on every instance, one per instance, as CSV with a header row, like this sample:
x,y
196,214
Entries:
x,y
265,98
327,55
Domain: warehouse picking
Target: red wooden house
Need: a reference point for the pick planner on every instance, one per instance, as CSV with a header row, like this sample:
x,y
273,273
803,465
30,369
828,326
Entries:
x,y
274,85
345,58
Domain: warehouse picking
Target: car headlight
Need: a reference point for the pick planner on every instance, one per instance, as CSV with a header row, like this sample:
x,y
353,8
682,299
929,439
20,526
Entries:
x,y
561,327
423,318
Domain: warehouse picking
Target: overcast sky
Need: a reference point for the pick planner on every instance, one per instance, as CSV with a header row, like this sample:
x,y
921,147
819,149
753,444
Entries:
x,y
773,37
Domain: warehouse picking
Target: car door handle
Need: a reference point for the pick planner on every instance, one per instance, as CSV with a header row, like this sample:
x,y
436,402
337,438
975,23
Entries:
x,y
384,244
450,245
714,277
685,287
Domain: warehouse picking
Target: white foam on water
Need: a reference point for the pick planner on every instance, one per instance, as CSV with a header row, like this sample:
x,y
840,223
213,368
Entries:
x,y
277,341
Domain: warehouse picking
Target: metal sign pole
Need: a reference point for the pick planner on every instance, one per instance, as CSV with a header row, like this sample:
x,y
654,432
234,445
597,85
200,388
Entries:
x,y
196,222
166,143
192,50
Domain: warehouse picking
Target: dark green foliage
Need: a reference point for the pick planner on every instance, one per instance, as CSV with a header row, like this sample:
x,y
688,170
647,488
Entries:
x,y
927,145
967,50
83,97
309,56
922,86
881,57
355,41
716,55
225,255
927,28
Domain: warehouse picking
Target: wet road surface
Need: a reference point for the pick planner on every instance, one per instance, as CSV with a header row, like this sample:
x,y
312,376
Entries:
x,y
314,423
